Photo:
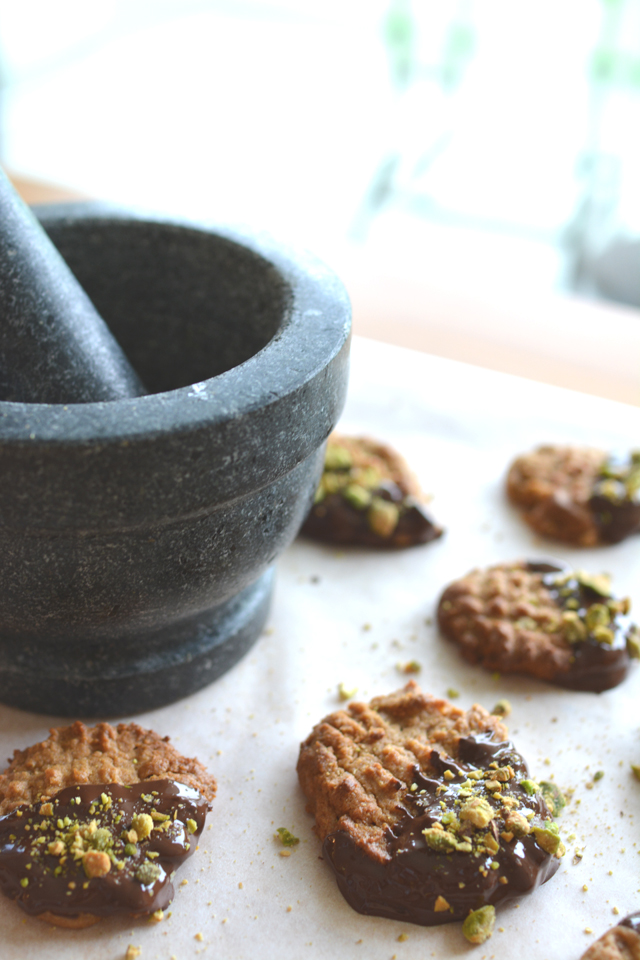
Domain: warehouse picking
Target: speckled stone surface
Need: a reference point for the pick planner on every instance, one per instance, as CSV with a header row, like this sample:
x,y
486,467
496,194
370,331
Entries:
x,y
127,528
54,348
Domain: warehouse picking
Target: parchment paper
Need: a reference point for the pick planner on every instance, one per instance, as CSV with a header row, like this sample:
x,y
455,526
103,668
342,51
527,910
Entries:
x,y
352,617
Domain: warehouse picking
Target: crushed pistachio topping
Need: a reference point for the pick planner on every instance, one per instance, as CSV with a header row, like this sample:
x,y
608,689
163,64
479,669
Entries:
x,y
481,811
619,479
635,768
286,838
478,925
588,610
363,488
77,842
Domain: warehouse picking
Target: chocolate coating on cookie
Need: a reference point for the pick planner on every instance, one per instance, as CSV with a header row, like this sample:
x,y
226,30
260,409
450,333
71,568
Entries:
x,y
577,495
541,619
98,850
619,943
368,497
426,812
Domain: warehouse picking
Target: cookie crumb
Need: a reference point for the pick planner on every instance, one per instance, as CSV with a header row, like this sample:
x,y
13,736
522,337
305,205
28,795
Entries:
x,y
412,666
132,952
402,937
199,937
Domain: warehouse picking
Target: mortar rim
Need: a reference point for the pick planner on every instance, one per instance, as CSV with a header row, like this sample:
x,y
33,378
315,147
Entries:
x,y
220,400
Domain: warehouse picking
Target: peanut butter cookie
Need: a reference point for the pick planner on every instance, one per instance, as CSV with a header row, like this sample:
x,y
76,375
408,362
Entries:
x,y
426,812
619,943
542,619
368,497
95,820
577,495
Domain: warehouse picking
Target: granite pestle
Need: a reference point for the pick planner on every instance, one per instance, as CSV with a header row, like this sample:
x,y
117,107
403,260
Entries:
x,y
54,347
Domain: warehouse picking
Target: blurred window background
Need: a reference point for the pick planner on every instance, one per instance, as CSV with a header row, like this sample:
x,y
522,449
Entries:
x,y
489,144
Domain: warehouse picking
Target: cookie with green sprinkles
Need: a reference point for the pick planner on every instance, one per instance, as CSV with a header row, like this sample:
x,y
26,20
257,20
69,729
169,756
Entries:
x,y
544,619
426,812
578,495
95,821
368,497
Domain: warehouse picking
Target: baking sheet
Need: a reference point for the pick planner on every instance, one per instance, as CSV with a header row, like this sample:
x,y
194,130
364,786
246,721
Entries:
x,y
353,617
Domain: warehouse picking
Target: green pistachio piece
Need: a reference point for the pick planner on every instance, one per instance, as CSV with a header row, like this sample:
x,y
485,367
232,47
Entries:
x,y
599,583
635,767
383,517
598,615
517,824
529,786
286,837
603,635
553,797
143,825
147,873
633,642
477,811
548,838
502,709
337,458
334,482
526,623
443,841
357,496
478,925
573,627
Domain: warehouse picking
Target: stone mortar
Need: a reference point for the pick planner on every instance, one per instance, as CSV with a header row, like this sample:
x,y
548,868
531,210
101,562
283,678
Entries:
x,y
138,536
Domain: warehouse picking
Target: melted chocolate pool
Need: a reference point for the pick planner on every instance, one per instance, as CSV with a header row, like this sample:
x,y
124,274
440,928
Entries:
x,y
420,884
49,850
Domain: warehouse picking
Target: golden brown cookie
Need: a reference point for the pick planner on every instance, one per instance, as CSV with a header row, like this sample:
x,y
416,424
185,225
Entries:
x,y
619,943
368,497
577,495
415,800
95,821
542,619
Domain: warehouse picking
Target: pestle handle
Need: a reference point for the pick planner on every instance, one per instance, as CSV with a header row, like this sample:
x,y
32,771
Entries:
x,y
54,348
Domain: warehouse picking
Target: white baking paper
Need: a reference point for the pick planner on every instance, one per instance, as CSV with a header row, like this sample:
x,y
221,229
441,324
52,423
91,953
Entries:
x,y
349,616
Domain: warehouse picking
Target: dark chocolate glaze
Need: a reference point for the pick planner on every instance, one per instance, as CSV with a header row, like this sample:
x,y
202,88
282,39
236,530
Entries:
x,y
406,885
336,520
632,921
595,666
617,515
118,892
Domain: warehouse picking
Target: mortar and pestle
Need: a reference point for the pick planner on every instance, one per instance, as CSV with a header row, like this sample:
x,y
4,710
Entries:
x,y
139,525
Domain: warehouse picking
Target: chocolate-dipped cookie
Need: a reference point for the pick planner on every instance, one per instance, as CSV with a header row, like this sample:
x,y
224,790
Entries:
x,y
94,821
426,812
620,943
542,619
577,495
368,497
